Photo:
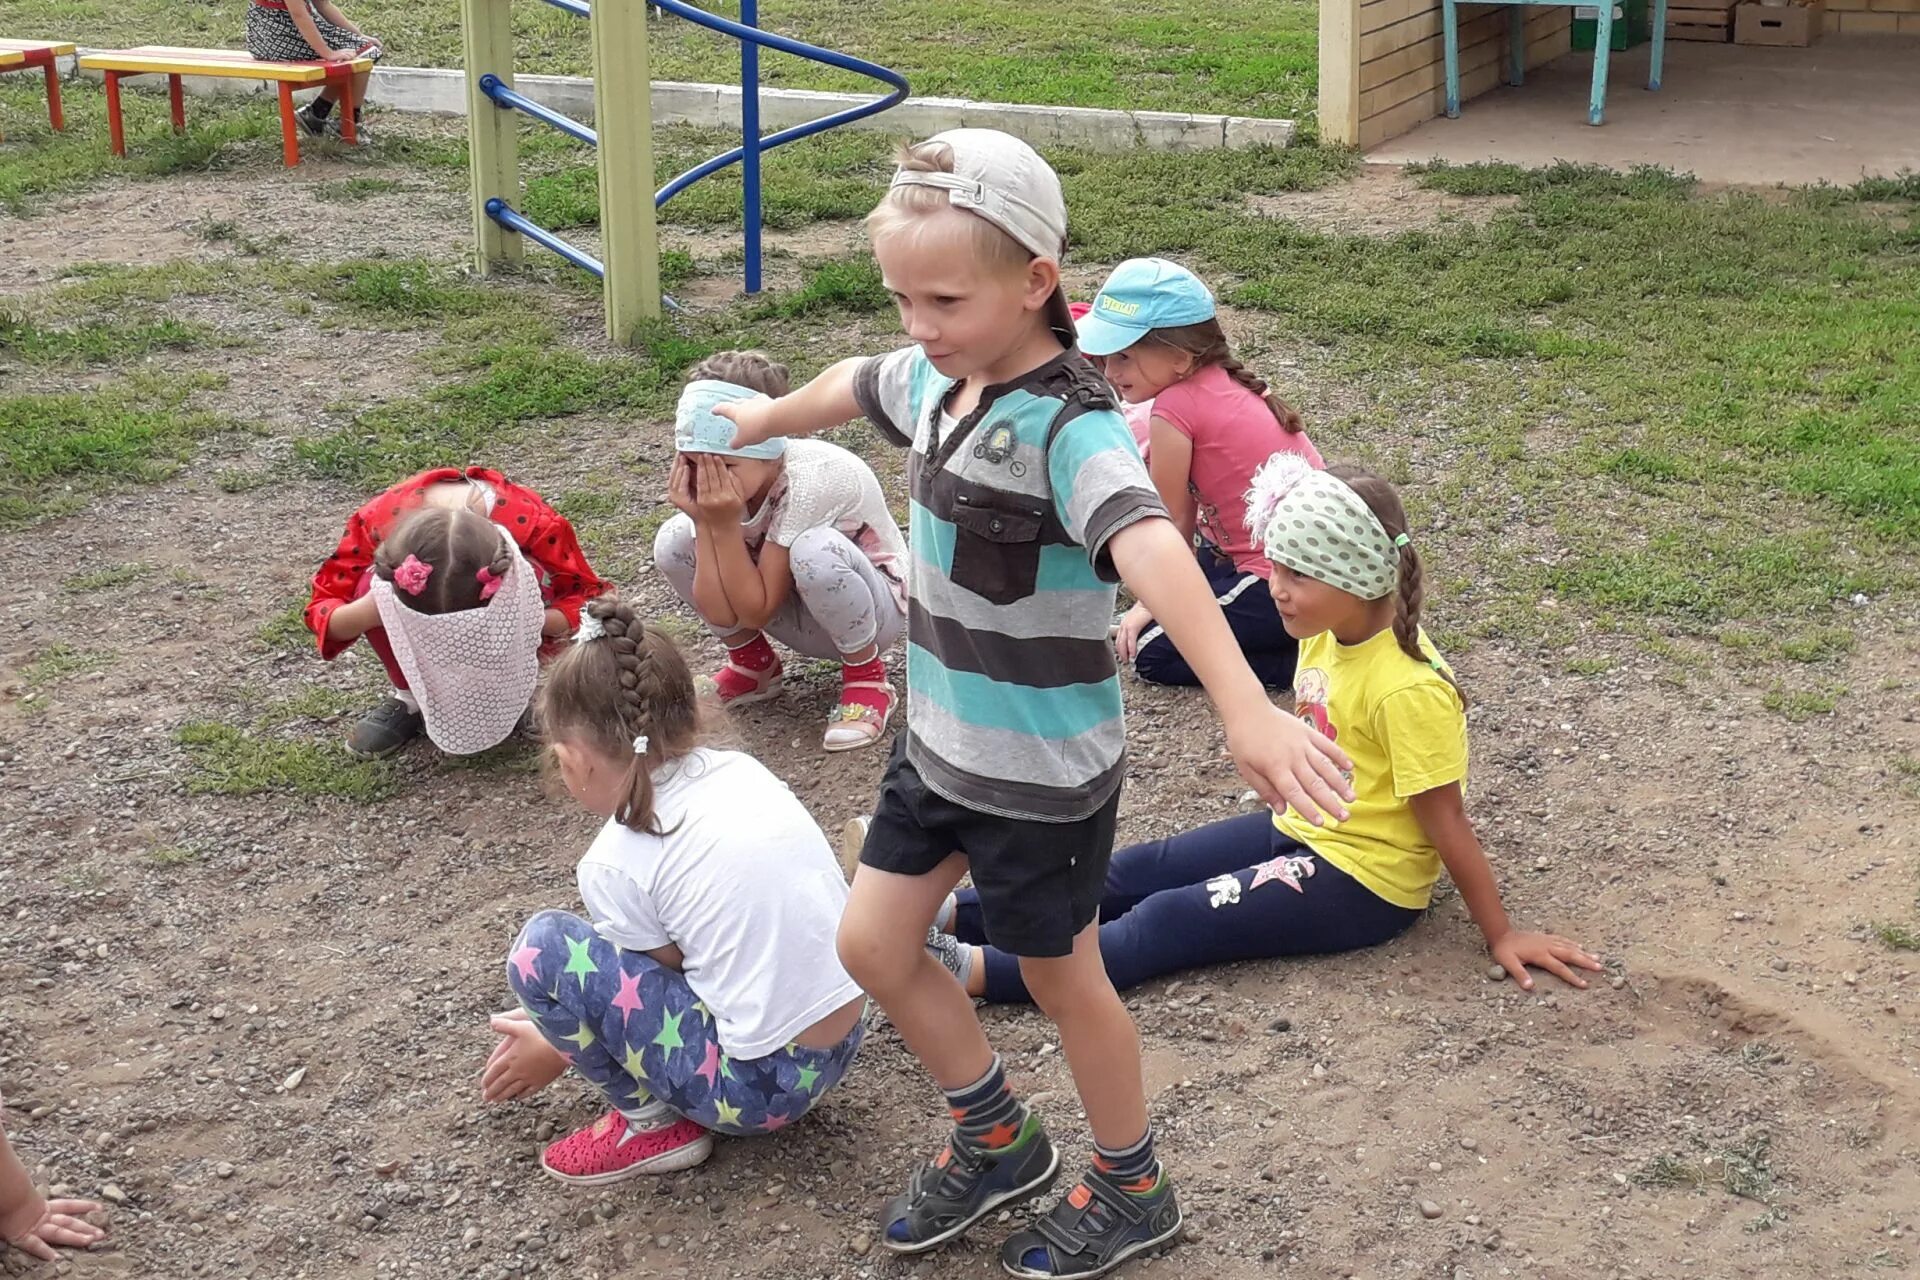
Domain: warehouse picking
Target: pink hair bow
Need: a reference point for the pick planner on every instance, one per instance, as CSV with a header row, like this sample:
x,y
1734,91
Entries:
x,y
489,581
411,577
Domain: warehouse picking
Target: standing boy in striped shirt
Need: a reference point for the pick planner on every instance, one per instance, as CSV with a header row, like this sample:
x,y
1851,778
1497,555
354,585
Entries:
x,y
1029,500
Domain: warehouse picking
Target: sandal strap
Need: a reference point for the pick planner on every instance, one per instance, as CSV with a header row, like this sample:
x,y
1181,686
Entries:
x,y
1063,1227
866,684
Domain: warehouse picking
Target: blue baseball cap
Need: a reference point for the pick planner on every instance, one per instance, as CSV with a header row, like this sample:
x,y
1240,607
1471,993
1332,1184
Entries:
x,y
1141,295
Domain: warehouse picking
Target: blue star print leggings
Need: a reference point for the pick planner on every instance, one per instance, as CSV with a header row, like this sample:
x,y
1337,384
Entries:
x,y
634,1029
1232,890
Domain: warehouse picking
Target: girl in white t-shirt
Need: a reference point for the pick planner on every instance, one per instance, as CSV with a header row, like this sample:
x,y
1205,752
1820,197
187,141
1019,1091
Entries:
x,y
706,993
788,539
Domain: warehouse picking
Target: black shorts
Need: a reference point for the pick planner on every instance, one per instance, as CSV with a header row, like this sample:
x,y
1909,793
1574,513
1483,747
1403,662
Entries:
x,y
1040,883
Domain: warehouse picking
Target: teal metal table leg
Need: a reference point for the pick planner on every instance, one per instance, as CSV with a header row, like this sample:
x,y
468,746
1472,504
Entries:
x,y
1450,41
1602,49
1516,44
1655,67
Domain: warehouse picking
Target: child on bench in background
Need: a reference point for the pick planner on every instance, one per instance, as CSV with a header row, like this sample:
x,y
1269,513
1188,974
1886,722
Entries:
x,y
306,31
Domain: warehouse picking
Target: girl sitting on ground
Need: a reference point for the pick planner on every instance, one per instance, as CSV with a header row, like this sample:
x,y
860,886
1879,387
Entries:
x,y
787,538
1260,885
1154,331
461,581
307,31
705,994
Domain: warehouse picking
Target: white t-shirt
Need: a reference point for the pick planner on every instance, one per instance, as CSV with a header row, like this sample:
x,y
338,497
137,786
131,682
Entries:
x,y
824,486
743,883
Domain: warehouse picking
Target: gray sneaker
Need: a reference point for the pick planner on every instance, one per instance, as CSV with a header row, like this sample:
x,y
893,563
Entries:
x,y
964,1184
385,729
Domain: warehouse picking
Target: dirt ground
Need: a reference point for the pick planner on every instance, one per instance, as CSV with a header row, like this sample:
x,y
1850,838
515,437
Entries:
x,y
256,1024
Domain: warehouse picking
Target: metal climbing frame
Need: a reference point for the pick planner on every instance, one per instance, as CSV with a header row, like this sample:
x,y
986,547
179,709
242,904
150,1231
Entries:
x,y
623,141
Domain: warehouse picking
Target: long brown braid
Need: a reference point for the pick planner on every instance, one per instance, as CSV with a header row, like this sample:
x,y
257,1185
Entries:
x,y
1387,508
604,693
1207,343
457,544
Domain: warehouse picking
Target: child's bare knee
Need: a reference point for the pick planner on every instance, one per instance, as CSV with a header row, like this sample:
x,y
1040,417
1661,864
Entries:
x,y
871,956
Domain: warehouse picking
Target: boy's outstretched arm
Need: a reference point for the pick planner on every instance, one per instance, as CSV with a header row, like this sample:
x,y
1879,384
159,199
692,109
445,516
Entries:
x,y
825,402
1281,758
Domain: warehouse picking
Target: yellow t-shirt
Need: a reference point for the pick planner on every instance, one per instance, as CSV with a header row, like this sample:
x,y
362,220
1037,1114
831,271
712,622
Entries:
x,y
1406,732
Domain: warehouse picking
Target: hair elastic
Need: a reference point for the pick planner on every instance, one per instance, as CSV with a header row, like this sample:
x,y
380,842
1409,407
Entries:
x,y
640,745
1401,540
489,581
591,628
411,577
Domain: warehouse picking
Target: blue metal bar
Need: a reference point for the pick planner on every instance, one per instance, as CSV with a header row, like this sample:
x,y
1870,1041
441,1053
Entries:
x,y
494,88
503,213
750,143
767,39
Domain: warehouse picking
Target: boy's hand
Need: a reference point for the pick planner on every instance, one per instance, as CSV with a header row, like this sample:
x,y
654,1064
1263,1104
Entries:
x,y
718,495
752,420
1519,948
522,1063
60,1223
1288,763
1126,636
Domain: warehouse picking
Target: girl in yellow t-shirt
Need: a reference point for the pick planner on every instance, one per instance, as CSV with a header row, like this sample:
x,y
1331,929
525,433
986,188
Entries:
x,y
1347,584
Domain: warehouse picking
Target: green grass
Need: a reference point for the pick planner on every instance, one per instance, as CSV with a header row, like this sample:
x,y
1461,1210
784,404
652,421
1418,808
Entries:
x,y
95,342
1743,1169
1802,704
287,628
103,579
57,662
174,855
234,762
316,702
57,449
1247,57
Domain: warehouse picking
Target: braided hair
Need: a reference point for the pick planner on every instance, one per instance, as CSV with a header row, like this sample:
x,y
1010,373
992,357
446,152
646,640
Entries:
x,y
605,693
1387,508
456,544
1207,343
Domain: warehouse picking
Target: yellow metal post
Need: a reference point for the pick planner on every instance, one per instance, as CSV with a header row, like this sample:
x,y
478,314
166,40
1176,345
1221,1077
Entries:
x,y
623,116
493,135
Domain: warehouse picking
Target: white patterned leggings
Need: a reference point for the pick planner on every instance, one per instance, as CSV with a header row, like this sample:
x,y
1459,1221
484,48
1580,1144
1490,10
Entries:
x,y
840,603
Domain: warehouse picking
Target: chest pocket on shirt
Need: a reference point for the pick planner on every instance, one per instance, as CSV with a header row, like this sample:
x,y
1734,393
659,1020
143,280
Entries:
x,y
996,545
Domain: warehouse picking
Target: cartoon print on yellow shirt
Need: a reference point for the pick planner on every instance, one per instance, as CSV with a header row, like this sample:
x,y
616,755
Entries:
x,y
1310,689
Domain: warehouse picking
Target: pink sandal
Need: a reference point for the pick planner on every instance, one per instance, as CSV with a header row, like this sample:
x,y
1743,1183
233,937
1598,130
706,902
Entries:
x,y
855,724
611,1150
739,686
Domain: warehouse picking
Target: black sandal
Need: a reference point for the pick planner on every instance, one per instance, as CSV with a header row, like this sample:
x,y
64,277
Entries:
x,y
1093,1229
963,1185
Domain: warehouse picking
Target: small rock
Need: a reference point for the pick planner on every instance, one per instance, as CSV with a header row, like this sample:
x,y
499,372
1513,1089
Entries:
x,y
387,1168
1851,978
859,1246
470,1238
223,1170
1779,964
1616,982
1496,973
1429,1210
1433,1166
218,1013
292,1082
544,1131
1468,1144
1280,1024
1540,863
112,1192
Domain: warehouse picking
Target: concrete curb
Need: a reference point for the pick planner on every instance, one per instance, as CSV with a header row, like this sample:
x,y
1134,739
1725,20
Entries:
x,y
438,91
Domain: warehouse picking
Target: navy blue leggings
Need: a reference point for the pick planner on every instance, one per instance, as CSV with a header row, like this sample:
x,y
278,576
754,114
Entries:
x,y
1256,625
1234,890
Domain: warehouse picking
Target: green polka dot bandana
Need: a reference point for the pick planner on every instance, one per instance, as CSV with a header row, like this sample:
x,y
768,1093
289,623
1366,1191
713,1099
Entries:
x,y
1315,524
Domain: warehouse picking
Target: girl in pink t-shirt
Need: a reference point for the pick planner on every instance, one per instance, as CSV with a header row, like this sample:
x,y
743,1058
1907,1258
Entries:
x,y
1154,329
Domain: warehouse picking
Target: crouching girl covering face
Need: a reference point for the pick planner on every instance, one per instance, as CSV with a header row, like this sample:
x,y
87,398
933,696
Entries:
x,y
705,994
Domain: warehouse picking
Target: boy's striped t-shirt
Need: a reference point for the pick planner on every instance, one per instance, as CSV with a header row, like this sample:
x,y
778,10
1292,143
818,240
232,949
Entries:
x,y
1013,698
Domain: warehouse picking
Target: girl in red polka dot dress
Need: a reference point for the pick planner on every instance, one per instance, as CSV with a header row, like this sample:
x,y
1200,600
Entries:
x,y
461,582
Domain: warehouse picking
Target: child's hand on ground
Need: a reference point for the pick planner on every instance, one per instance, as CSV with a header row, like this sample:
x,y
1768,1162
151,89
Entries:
x,y
1126,636
523,1063
752,420
1549,951
60,1222
1288,763
719,496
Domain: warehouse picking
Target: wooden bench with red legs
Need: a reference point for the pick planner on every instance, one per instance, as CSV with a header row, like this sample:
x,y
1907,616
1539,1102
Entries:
x,y
41,54
165,60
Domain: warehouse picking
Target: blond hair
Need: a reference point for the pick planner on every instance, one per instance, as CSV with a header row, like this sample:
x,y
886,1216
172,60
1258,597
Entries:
x,y
909,210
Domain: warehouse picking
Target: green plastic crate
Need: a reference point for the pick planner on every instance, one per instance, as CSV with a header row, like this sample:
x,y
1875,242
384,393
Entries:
x,y
1630,25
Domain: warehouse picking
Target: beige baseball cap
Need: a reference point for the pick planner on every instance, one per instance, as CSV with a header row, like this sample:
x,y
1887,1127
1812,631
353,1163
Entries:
x,y
1002,179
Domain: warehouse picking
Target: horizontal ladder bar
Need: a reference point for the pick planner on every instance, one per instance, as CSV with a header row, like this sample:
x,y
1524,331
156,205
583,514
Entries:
x,y
506,98
504,214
